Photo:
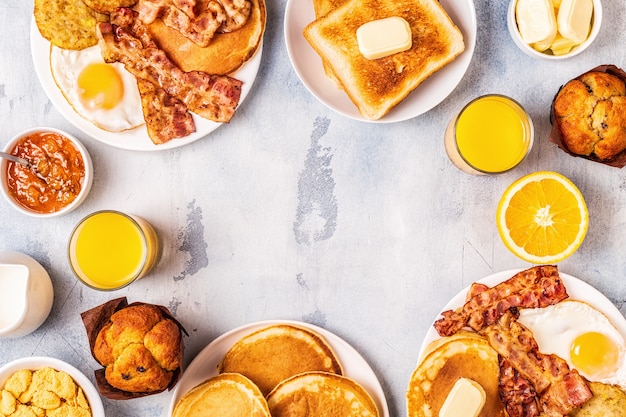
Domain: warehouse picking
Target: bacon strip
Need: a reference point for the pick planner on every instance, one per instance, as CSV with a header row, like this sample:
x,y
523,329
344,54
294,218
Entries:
x,y
560,389
539,286
214,97
516,393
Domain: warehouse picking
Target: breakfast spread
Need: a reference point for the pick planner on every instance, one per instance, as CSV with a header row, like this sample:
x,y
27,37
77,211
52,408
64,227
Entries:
x,y
549,354
43,392
57,176
144,85
556,26
375,86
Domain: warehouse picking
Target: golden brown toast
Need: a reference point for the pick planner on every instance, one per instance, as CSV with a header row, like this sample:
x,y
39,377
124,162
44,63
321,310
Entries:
x,y
320,394
223,395
275,353
443,363
226,53
376,86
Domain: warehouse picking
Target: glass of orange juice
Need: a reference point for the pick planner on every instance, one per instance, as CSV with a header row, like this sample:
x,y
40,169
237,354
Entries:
x,y
490,135
108,249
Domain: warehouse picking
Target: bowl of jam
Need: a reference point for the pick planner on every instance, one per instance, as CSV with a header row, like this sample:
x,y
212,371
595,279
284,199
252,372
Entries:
x,y
59,176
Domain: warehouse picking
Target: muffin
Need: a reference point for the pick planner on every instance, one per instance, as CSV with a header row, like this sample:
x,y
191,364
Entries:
x,y
590,112
140,349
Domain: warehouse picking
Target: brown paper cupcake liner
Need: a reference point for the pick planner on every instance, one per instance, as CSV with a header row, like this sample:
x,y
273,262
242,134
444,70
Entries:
x,y
98,317
619,161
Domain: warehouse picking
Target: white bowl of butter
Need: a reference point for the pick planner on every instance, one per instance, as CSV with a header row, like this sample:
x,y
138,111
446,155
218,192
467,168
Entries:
x,y
554,29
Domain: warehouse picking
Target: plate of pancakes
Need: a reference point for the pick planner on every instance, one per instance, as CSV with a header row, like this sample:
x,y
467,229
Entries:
x,y
64,73
585,329
270,360
311,70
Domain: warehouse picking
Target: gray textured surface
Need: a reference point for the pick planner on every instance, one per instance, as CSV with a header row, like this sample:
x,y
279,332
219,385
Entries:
x,y
295,212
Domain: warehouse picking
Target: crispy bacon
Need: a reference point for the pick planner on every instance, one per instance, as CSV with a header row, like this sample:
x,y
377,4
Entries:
x,y
214,97
560,389
516,393
166,117
539,286
197,20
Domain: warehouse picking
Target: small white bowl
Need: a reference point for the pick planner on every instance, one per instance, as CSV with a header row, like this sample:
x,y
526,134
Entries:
x,y
38,362
87,180
596,23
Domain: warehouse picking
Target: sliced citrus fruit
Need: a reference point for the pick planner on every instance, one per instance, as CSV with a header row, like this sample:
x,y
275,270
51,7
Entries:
x,y
542,217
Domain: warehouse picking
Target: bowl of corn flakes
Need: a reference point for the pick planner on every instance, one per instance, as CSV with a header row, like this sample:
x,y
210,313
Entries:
x,y
47,387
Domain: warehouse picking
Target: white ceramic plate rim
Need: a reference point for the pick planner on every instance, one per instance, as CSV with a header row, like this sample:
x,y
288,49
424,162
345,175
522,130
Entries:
x,y
134,139
576,288
308,65
38,362
204,365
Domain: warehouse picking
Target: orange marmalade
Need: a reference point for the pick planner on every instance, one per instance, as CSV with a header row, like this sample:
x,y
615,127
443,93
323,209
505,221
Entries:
x,y
57,176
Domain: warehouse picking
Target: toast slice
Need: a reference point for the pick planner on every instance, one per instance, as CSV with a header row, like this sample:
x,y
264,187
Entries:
x,y
321,394
277,352
376,86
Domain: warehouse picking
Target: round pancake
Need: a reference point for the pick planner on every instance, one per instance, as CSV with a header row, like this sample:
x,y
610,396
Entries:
x,y
226,53
223,395
320,394
450,359
275,353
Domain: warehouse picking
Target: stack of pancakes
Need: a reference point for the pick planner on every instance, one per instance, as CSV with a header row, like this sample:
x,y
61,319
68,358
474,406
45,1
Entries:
x,y
281,370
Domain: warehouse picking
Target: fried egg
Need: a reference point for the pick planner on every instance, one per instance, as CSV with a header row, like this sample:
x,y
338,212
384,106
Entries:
x,y
581,335
104,94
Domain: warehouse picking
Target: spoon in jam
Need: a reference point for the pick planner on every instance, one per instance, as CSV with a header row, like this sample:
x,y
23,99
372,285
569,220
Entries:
x,y
24,162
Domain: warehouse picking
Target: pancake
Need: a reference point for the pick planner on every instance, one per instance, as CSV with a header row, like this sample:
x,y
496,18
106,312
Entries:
x,y
469,356
275,353
226,53
320,394
223,395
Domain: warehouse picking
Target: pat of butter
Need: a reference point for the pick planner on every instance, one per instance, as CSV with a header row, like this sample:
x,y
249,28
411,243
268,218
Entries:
x,y
536,20
466,399
384,37
574,19
562,46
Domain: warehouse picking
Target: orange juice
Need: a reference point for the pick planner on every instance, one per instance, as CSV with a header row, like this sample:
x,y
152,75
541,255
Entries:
x,y
492,134
108,249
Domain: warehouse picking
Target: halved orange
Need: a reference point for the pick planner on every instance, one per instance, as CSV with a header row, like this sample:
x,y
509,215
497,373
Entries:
x,y
542,217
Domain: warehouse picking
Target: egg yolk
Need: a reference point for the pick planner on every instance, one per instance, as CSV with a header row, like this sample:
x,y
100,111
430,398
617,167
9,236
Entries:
x,y
594,354
100,86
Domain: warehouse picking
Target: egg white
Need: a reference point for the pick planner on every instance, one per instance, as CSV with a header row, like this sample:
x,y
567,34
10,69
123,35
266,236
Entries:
x,y
557,326
66,66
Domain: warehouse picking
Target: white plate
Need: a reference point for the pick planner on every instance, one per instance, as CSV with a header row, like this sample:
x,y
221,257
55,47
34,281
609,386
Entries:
x,y
134,139
204,365
308,65
577,290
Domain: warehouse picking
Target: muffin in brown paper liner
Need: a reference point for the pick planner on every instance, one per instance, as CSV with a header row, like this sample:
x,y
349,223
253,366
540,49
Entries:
x,y
556,137
97,318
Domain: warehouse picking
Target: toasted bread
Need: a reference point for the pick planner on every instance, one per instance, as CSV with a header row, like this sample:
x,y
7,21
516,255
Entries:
x,y
223,395
441,365
226,53
275,353
376,86
320,394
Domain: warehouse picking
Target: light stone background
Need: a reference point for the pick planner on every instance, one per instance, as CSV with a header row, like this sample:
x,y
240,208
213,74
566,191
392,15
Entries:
x,y
295,212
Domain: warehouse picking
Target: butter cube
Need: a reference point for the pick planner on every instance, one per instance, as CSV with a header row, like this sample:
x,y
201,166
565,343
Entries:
x,y
466,398
384,37
536,20
562,46
574,19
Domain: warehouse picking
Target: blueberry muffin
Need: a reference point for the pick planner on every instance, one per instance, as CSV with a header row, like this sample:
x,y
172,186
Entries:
x,y
590,112
140,349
